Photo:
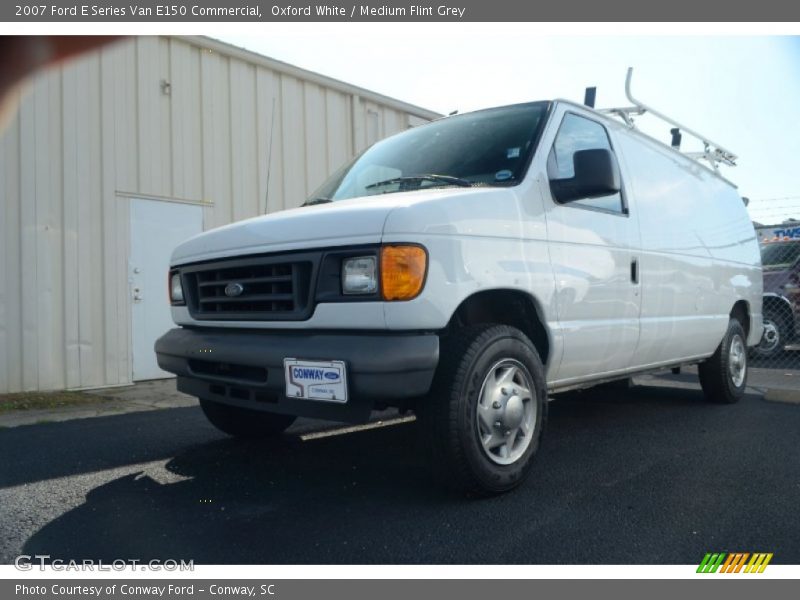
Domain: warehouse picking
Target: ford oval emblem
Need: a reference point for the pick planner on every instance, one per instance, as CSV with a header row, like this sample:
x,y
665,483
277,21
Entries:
x,y
331,375
234,289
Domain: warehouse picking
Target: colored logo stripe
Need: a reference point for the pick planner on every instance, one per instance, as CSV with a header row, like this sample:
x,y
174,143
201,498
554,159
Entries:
x,y
733,562
710,563
758,563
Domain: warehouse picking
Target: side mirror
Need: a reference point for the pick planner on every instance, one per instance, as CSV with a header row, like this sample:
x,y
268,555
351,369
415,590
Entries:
x,y
596,174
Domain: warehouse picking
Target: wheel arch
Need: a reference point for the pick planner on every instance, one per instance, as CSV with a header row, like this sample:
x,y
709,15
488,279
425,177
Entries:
x,y
741,312
777,305
507,306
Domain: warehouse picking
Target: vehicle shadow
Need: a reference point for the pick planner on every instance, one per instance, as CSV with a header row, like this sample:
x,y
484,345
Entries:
x,y
231,501
368,498
43,451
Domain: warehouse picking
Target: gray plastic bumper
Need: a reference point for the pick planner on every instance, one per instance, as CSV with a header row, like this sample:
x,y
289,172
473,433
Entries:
x,y
245,367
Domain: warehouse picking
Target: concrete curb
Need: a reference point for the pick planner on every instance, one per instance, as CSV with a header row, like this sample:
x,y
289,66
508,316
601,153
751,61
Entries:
x,y
147,395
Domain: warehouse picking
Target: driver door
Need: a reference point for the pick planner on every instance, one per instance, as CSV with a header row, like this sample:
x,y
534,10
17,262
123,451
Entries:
x,y
593,244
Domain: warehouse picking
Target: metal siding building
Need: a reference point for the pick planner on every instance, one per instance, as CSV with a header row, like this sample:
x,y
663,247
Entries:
x,y
178,120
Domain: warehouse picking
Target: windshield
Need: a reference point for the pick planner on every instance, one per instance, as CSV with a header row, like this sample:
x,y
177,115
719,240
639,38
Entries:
x,y
781,254
486,148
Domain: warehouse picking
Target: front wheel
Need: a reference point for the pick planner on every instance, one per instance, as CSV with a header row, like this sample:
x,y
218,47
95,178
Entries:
x,y
723,376
245,423
486,411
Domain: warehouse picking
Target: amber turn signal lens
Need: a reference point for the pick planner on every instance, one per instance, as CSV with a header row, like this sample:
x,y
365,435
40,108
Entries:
x,y
402,271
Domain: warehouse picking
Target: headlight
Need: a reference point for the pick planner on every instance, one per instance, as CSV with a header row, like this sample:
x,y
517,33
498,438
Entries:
x,y
175,288
403,269
359,275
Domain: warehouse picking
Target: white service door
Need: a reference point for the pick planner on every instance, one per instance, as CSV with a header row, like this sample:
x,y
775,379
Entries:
x,y
156,228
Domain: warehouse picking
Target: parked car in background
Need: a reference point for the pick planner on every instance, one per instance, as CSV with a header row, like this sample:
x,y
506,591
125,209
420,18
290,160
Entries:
x,y
781,264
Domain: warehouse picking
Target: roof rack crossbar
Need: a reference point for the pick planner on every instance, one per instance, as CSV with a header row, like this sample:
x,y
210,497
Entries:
x,y
712,152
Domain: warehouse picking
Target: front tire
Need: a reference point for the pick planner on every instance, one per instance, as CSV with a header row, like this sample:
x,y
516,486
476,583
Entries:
x,y
723,376
245,423
487,409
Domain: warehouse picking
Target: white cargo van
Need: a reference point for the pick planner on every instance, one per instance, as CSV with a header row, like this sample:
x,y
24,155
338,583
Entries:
x,y
466,269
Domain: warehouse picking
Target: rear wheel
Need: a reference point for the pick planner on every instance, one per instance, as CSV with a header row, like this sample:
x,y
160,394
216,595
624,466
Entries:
x,y
245,423
486,412
723,376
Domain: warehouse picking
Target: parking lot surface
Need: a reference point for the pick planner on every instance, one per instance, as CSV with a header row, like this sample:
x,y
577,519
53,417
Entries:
x,y
652,474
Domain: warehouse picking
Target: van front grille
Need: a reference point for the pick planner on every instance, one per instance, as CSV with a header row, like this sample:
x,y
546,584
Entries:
x,y
253,288
220,370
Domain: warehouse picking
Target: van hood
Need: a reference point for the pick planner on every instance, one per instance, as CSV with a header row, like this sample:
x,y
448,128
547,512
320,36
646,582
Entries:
x,y
345,222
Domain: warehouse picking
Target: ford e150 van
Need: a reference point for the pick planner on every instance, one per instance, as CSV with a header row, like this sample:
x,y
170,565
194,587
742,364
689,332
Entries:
x,y
466,269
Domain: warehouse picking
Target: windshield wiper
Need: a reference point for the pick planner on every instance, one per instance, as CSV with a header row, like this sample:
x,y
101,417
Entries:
x,y
448,179
314,201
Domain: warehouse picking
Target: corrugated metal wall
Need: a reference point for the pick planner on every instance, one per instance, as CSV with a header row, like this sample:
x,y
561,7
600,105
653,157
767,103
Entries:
x,y
181,119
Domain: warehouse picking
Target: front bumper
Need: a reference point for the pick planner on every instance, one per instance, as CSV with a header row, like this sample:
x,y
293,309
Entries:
x,y
245,368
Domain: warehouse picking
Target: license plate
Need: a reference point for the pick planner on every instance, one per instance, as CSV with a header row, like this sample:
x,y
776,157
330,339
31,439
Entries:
x,y
324,380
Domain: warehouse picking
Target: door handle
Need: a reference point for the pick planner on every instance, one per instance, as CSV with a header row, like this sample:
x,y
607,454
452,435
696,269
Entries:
x,y
634,270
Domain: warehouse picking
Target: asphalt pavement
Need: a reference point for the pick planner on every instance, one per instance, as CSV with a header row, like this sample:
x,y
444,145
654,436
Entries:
x,y
652,474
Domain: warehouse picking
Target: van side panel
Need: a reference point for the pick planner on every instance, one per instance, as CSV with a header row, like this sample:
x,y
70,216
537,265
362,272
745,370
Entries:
x,y
483,239
699,253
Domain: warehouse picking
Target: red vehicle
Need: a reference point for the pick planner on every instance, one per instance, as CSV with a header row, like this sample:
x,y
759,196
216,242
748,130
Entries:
x,y
781,264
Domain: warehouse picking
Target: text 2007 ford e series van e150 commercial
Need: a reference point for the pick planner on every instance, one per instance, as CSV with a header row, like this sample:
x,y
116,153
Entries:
x,y
464,269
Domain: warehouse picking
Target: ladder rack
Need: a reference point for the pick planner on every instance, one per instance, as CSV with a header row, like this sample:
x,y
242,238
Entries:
x,y
713,153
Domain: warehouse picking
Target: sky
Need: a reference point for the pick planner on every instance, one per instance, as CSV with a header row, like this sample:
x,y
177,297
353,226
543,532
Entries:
x,y
740,91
